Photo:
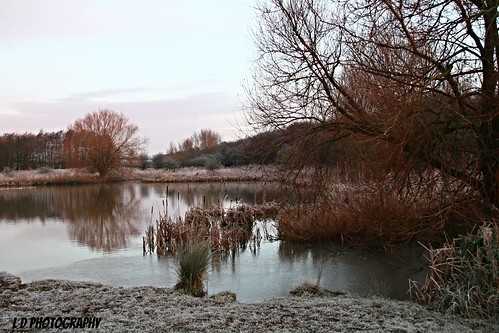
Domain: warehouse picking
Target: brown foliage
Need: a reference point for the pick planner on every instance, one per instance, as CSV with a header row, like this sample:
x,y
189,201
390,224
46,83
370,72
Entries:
x,y
207,139
414,83
102,141
373,215
227,230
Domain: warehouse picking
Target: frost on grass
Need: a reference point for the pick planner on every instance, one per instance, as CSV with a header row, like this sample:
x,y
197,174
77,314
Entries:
x,y
45,176
150,309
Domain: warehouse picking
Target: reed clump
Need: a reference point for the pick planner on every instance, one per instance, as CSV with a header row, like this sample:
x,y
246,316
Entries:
x,y
202,233
306,288
463,277
226,229
193,260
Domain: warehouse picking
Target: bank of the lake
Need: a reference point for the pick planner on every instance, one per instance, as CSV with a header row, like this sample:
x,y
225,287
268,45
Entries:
x,y
149,309
46,176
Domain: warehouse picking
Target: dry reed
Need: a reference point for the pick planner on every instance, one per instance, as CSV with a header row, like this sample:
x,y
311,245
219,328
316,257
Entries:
x,y
226,230
365,216
463,276
45,176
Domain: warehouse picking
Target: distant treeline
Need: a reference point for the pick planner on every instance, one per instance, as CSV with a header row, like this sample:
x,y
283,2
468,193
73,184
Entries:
x,y
32,151
304,143
28,151
204,149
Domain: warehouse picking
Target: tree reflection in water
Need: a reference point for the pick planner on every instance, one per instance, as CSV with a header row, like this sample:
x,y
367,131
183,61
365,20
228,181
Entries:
x,y
106,218
102,217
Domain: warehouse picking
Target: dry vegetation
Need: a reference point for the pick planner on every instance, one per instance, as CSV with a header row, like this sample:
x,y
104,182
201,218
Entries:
x,y
204,234
370,213
46,176
191,174
226,230
463,276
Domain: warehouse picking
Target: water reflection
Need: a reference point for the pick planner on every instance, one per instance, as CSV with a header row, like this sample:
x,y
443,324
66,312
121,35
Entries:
x,y
106,218
340,267
29,204
177,198
102,217
114,216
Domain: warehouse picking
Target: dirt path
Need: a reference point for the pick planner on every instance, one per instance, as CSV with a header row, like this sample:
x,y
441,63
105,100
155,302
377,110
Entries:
x,y
52,303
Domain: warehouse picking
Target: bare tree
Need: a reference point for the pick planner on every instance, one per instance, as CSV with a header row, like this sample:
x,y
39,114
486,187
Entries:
x,y
417,78
204,140
103,140
208,139
186,145
172,149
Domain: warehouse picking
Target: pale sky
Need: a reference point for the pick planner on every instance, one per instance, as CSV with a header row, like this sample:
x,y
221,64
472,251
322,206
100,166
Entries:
x,y
172,67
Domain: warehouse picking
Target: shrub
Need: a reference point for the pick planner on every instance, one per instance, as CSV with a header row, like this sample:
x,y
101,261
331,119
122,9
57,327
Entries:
x,y
7,171
158,161
212,163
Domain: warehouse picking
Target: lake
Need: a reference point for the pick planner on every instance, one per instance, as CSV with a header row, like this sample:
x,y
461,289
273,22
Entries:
x,y
94,233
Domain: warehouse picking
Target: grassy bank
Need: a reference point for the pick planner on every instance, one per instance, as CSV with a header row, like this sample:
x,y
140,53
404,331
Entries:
x,y
47,177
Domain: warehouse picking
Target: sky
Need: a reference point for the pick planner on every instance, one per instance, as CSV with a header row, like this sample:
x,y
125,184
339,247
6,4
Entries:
x,y
172,67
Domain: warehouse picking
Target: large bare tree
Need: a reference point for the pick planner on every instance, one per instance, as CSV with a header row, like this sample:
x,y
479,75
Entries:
x,y
417,79
102,141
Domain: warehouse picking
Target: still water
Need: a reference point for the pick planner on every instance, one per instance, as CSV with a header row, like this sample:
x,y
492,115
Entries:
x,y
94,233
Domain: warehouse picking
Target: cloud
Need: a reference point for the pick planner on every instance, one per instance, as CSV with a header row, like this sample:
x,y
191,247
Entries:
x,y
23,21
161,120
126,95
172,67
26,20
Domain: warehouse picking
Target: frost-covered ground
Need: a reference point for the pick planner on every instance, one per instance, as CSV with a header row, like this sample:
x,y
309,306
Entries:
x,y
35,177
247,173
52,176
148,309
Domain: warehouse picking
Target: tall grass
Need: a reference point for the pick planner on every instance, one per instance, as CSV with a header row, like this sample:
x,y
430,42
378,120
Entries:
x,y
463,276
45,176
193,259
189,174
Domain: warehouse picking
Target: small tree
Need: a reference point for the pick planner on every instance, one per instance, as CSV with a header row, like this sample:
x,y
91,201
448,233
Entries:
x,y
144,162
104,140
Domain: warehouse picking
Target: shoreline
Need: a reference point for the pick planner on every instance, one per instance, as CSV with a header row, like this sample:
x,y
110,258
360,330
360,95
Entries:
x,y
152,309
54,177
